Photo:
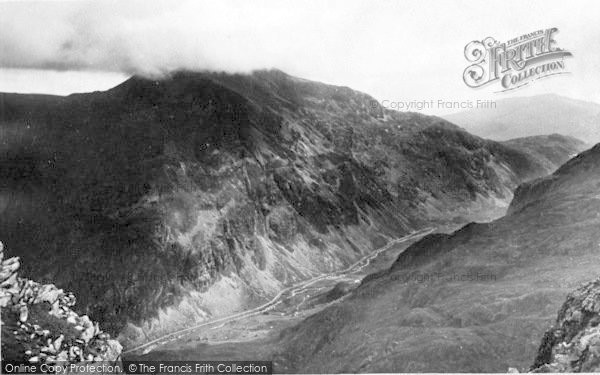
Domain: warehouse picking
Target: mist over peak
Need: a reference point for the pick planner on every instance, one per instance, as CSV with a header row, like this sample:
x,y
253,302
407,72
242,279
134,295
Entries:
x,y
355,42
151,39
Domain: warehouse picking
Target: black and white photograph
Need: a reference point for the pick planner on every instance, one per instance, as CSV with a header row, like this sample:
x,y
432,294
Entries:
x,y
299,186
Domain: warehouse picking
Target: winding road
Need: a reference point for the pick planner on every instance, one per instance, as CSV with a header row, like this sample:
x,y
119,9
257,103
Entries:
x,y
293,290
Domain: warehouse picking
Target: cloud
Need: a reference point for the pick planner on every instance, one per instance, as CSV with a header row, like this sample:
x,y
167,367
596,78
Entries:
x,y
156,36
392,49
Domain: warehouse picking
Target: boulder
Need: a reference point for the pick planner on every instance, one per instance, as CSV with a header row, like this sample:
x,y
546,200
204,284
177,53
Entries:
x,y
23,313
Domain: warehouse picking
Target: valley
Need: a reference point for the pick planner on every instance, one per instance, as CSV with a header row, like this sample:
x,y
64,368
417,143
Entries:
x,y
287,303
546,246
299,187
202,213
419,317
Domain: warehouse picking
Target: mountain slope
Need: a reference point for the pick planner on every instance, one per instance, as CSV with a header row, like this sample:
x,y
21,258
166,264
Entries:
x,y
549,150
534,115
201,194
477,300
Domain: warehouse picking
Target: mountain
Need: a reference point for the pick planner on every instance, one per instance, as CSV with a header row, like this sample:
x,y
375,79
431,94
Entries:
x,y
476,300
550,150
193,196
533,115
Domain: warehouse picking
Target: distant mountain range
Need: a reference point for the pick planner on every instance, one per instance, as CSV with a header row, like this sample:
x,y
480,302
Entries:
x,y
533,115
170,201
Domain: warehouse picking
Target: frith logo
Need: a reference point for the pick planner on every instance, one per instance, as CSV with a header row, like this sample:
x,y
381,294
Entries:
x,y
514,63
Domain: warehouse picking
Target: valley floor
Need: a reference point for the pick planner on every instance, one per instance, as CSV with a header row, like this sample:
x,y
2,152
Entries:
x,y
253,334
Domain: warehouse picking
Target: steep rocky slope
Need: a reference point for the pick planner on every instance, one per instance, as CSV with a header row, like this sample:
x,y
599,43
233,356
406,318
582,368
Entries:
x,y
39,325
477,300
198,194
573,343
533,115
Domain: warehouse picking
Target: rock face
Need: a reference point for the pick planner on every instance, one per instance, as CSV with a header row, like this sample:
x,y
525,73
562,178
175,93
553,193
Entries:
x,y
39,326
201,194
573,344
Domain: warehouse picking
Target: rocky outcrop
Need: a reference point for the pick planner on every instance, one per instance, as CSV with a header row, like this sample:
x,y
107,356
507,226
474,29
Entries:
x,y
39,326
573,343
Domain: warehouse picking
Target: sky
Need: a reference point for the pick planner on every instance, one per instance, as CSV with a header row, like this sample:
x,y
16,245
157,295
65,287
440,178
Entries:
x,y
398,51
